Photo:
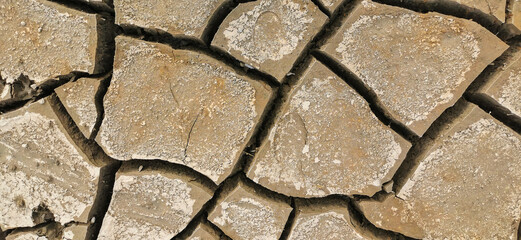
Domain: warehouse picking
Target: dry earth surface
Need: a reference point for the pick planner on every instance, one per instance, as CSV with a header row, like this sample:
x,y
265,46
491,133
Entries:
x,y
266,119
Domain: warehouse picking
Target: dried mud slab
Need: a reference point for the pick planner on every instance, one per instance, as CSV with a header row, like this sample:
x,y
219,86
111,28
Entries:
x,y
505,85
327,141
44,175
42,39
179,106
177,17
417,64
323,222
270,34
78,98
467,186
152,204
245,214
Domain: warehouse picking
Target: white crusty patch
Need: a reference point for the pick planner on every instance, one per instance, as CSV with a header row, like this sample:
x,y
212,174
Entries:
x,y
325,124
68,235
40,166
44,41
412,68
249,218
160,208
329,225
271,30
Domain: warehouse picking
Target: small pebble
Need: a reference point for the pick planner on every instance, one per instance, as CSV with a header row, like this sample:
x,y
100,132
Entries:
x,y
140,168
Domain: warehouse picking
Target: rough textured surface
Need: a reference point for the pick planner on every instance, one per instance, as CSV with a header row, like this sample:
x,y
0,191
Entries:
x,y
473,166
418,64
78,99
211,111
151,205
41,168
495,8
327,141
204,232
323,223
505,85
178,17
245,214
43,39
270,34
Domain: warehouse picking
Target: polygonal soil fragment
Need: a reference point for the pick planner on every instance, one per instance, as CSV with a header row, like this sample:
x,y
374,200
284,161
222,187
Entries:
x,y
245,214
495,8
152,204
178,17
469,179
179,106
43,39
320,222
505,85
43,173
79,100
418,64
327,141
204,232
270,34
331,5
